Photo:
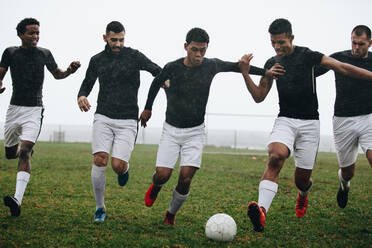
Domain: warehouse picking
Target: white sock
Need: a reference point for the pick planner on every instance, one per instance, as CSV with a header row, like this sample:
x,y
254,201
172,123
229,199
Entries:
x,y
304,193
266,193
98,182
22,179
344,184
176,202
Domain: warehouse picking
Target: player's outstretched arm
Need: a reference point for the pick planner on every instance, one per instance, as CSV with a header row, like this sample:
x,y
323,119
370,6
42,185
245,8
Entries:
x,y
2,75
83,103
259,92
59,74
346,69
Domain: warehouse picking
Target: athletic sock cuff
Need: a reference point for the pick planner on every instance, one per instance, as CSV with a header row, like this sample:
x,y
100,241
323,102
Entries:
x,y
179,196
269,185
97,171
23,175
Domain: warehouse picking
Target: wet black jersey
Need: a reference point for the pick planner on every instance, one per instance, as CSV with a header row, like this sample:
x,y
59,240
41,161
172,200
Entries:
x,y
27,72
297,87
119,81
188,93
353,96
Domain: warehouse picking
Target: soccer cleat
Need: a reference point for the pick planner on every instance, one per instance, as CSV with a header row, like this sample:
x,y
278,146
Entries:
x,y
148,200
100,215
257,215
123,178
301,205
14,206
342,197
169,218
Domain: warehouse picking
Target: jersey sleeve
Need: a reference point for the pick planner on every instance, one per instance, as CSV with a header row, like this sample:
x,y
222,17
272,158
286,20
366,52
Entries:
x,y
155,87
224,66
50,63
89,80
147,65
313,58
269,63
5,59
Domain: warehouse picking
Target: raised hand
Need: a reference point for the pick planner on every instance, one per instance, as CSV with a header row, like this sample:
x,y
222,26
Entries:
x,y
83,103
73,67
244,63
145,116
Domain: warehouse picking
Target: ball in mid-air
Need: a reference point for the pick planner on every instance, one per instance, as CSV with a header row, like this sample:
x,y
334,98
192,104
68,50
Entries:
x,y
220,227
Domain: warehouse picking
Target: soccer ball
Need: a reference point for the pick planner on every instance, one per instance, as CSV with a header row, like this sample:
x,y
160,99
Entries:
x,y
220,227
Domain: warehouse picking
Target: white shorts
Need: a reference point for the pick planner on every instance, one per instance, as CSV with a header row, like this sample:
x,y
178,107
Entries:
x,y
185,142
348,132
300,136
118,134
22,124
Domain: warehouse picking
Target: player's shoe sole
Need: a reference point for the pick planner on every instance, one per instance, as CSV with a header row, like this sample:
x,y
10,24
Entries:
x,y
342,197
301,205
257,216
12,203
169,218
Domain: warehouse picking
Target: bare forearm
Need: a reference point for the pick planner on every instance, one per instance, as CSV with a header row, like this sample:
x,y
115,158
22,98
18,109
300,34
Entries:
x,y
356,72
253,89
59,74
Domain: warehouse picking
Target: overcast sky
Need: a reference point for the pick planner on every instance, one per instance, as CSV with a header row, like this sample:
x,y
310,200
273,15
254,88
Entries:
x,y
73,30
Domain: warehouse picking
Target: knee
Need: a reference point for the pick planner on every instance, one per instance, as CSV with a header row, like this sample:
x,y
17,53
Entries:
x,y
100,159
276,159
161,176
348,172
10,155
119,166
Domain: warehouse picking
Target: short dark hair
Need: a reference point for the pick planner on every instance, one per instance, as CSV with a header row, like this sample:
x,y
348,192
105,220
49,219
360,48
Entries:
x,y
280,26
362,29
115,27
21,27
197,35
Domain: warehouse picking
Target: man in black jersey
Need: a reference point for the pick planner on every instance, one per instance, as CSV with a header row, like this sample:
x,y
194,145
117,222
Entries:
x,y
183,132
352,121
115,121
297,127
25,112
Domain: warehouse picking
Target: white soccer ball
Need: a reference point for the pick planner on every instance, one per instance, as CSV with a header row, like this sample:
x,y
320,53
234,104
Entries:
x,y
220,227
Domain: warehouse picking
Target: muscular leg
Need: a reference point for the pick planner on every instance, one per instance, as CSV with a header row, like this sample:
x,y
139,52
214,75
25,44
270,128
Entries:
x,y
24,170
268,187
119,166
302,179
348,172
12,152
98,175
161,176
181,192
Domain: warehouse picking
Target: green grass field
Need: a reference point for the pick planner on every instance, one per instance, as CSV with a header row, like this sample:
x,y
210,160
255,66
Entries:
x,y
58,205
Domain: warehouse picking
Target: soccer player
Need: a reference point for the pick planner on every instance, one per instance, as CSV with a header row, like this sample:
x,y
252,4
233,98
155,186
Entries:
x,y
183,131
352,121
25,112
296,130
115,121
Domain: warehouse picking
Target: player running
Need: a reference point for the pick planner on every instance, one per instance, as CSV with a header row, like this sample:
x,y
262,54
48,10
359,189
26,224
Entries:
x,y
184,130
296,130
25,112
352,121
115,120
